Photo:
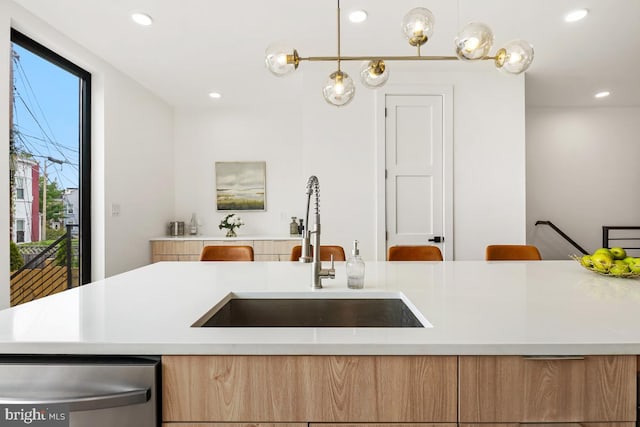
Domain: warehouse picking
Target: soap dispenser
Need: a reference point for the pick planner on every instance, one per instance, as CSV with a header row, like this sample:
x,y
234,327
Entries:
x,y
355,268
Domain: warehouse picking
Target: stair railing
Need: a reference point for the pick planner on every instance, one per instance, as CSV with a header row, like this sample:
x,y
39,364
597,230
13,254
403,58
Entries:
x,y
607,238
564,235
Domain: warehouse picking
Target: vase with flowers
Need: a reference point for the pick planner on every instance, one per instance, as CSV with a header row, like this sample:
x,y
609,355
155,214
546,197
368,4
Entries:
x,y
231,222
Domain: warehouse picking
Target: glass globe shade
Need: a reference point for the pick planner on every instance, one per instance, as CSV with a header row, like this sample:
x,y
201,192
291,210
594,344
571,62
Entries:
x,y
281,60
339,89
374,73
417,26
515,56
474,41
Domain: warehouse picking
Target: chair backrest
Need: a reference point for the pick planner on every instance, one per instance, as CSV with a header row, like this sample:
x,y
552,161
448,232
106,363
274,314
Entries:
x,y
325,253
512,253
226,253
414,253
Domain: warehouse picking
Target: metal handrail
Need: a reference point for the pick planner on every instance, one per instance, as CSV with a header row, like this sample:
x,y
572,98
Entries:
x,y
36,279
564,235
606,238
46,253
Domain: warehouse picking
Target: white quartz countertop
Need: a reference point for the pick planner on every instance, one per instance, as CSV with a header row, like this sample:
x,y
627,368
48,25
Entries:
x,y
474,307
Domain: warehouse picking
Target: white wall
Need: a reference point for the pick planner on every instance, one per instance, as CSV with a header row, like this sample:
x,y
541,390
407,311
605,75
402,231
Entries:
x,y
131,153
204,137
488,156
338,145
138,171
582,173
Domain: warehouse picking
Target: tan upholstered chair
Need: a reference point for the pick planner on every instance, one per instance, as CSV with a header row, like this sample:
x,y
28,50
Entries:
x,y
414,253
226,253
512,253
325,253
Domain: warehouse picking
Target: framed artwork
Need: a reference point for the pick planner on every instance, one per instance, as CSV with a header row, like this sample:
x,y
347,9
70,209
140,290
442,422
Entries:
x,y
241,186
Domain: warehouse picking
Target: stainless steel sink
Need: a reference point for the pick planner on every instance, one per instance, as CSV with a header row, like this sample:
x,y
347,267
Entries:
x,y
307,310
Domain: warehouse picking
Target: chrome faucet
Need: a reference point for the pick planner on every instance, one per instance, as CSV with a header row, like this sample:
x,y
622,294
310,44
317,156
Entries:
x,y
317,272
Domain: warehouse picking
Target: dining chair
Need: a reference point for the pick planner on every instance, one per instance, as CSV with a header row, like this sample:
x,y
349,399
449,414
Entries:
x,y
226,253
325,253
512,253
414,253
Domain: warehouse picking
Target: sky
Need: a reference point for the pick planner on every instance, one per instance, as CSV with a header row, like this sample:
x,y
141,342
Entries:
x,y
46,115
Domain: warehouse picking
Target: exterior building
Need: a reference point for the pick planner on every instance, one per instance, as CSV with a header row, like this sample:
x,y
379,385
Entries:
x,y
26,217
71,202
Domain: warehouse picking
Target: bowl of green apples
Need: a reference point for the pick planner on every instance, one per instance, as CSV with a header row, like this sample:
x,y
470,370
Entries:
x,y
612,262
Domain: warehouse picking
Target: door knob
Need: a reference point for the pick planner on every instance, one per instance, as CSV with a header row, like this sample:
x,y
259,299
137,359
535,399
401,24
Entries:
x,y
437,239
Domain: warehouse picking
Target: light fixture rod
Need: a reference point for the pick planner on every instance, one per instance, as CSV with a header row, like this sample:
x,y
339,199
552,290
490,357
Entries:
x,y
386,58
338,35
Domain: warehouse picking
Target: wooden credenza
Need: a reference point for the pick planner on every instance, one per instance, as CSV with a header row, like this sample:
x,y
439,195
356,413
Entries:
x,y
189,248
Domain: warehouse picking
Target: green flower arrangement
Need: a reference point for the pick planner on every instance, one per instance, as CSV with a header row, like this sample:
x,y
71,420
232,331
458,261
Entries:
x,y
231,222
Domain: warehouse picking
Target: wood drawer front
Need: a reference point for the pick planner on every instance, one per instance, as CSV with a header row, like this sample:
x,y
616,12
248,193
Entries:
x,y
158,258
520,389
274,247
228,243
234,425
185,247
627,424
384,425
309,388
258,257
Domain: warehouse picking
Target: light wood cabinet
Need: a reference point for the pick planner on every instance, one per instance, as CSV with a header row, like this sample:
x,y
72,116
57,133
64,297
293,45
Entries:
x,y
382,425
189,250
235,425
390,389
627,424
514,389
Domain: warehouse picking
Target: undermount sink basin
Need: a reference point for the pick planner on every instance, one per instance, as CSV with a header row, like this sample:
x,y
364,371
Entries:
x,y
313,310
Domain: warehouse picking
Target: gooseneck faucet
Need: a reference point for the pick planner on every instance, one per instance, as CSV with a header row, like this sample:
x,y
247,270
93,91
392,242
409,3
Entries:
x,y
317,272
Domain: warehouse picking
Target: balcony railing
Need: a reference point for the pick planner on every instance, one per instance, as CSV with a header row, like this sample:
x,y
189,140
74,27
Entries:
x,y
53,269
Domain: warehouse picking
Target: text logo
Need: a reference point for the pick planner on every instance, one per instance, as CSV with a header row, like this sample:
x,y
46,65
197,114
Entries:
x,y
34,415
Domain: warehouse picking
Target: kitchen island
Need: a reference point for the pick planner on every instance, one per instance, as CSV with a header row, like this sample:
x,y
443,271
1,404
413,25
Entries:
x,y
474,308
505,343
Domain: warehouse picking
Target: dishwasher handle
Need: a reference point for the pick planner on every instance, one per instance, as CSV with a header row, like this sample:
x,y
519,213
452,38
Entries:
x,y
86,402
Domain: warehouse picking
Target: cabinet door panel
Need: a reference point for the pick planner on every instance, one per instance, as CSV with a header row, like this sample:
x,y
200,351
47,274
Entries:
x,y
520,389
234,425
309,388
627,424
383,425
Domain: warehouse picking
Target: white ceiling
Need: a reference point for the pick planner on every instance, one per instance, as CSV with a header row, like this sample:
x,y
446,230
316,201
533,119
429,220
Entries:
x,y
197,46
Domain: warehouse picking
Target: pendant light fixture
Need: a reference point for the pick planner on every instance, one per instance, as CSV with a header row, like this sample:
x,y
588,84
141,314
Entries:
x,y
473,43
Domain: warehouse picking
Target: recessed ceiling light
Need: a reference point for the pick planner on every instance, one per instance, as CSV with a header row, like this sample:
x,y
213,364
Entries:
x,y
142,19
215,95
576,15
358,16
602,94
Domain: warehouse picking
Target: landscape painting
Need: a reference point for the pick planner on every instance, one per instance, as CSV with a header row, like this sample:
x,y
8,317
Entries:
x,y
240,186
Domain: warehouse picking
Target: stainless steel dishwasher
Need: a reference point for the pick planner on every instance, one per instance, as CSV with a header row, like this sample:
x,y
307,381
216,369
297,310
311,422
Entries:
x,y
96,391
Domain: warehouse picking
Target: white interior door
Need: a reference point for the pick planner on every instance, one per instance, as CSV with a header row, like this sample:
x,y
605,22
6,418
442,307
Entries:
x,y
414,170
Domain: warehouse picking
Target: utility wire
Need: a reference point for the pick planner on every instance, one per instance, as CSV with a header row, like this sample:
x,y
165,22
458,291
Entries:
x,y
47,139
21,68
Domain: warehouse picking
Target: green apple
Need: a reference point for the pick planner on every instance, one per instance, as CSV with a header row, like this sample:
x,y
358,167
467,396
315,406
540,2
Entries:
x,y
602,261
619,268
628,259
586,261
618,253
634,266
603,250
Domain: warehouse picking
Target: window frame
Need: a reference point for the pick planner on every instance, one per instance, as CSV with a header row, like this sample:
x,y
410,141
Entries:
x,y
19,188
85,142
